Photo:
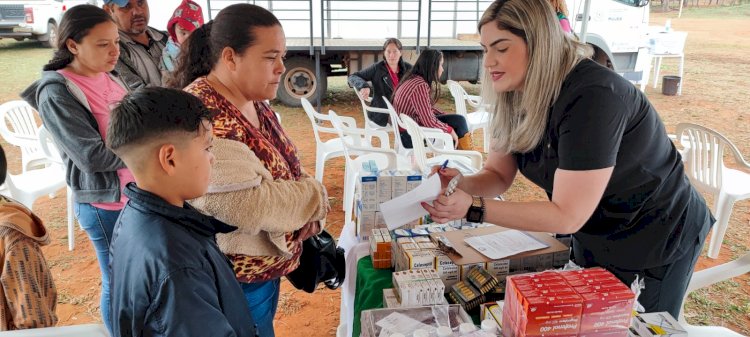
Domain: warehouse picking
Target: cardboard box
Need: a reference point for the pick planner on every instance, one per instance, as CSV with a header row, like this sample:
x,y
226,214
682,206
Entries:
x,y
469,255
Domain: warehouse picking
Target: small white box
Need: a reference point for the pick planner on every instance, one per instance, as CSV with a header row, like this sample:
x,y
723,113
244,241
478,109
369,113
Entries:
x,y
365,225
385,189
369,192
658,324
413,180
418,259
633,333
398,184
379,221
499,268
390,299
447,270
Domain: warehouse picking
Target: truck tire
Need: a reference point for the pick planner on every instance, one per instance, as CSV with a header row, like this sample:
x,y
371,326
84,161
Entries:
x,y
299,81
49,40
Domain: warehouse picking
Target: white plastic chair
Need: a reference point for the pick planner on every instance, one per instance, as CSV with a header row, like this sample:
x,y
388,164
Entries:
x,y
324,150
359,149
476,120
50,151
464,161
18,127
33,184
369,124
707,277
703,154
440,138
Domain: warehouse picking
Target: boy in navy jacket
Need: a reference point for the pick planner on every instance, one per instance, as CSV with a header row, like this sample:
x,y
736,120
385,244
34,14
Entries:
x,y
168,276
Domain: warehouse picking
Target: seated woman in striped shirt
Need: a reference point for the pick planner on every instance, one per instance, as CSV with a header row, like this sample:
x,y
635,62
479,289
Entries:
x,y
416,95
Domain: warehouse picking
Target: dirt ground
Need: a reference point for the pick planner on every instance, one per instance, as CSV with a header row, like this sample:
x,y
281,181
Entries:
x,y
715,94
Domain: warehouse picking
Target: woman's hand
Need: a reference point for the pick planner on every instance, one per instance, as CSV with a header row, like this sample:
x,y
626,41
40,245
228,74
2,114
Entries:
x,y
447,208
364,93
455,138
307,231
446,174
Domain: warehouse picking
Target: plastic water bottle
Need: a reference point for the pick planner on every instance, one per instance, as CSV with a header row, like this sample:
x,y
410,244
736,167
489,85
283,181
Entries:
x,y
668,26
489,326
465,328
444,331
421,333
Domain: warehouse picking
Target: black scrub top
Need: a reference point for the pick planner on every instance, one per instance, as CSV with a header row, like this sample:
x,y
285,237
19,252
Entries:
x,y
649,214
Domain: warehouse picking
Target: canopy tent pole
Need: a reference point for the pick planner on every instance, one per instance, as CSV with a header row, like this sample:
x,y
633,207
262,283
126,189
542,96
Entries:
x,y
585,25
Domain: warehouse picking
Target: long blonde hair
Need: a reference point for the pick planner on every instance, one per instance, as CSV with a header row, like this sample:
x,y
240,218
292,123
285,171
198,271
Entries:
x,y
519,118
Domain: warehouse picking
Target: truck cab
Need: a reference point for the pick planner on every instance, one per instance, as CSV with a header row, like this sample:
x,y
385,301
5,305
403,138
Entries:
x,y
32,19
617,31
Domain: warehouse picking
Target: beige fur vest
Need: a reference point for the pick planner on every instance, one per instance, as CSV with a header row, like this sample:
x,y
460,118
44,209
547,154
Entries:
x,y
243,193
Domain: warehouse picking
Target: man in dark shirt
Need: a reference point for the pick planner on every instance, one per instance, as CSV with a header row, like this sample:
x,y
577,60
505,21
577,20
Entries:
x,y
169,277
141,46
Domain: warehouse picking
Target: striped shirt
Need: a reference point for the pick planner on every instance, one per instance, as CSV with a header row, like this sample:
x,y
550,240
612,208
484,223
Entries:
x,y
412,98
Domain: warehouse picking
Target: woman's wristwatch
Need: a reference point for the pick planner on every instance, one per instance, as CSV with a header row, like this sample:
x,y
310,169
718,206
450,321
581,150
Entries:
x,y
476,210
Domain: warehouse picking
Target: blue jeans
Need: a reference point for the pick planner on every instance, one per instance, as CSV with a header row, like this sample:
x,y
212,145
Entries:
x,y
263,298
98,224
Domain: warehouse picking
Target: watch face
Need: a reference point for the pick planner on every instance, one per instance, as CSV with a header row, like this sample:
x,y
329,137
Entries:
x,y
473,215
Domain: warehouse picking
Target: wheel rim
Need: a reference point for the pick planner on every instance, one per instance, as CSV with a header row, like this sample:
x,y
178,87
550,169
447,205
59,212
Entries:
x,y
300,82
53,35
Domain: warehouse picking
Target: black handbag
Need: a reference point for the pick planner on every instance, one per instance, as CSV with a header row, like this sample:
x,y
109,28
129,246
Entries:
x,y
321,261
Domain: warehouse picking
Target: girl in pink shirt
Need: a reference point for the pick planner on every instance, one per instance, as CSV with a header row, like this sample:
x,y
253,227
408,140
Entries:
x,y
74,98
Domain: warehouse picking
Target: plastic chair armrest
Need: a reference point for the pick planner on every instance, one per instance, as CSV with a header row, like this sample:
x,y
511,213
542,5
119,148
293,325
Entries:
x,y
390,154
382,136
474,100
709,276
349,122
378,110
474,156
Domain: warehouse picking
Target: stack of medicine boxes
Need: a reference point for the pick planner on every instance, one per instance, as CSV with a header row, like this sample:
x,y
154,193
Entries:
x,y
375,187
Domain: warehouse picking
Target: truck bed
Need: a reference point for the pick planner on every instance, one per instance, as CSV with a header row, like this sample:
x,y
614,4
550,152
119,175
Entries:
x,y
377,44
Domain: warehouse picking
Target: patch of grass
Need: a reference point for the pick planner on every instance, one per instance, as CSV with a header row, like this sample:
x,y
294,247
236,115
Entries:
x,y
720,304
724,12
21,64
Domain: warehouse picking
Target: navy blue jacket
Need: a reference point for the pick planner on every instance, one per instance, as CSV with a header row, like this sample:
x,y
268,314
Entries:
x,y
169,277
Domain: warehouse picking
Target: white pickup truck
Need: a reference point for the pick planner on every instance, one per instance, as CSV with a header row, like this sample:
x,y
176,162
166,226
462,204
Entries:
x,y
33,19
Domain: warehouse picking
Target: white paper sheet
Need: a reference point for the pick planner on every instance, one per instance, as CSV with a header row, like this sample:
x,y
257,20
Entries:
x,y
407,208
398,322
503,244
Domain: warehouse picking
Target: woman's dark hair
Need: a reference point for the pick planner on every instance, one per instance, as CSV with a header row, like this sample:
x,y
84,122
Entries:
x,y
76,23
426,67
233,27
393,40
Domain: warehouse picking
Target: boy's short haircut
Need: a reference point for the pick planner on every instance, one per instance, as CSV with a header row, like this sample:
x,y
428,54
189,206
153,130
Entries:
x,y
3,166
148,114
